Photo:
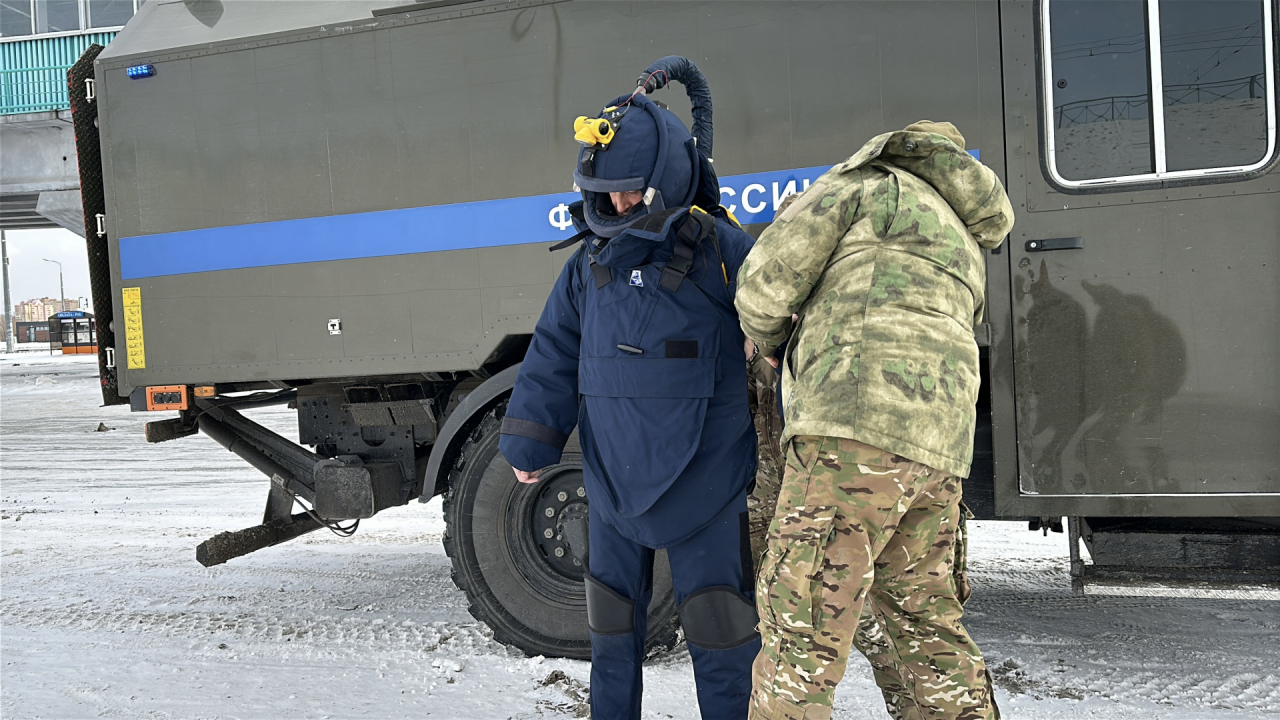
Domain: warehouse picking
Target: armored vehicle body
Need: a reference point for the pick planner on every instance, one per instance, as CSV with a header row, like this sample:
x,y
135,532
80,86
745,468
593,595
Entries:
x,y
347,207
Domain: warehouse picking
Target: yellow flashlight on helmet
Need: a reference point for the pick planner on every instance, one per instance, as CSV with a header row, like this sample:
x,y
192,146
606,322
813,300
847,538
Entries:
x,y
592,131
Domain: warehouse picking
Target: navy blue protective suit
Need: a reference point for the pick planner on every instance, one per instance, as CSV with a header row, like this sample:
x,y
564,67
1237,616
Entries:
x,y
653,374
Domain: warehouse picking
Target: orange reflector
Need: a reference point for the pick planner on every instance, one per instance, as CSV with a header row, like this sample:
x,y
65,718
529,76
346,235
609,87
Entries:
x,y
167,397
205,391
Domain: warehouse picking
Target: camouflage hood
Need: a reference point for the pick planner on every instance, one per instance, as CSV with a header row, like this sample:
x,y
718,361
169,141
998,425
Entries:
x,y
934,152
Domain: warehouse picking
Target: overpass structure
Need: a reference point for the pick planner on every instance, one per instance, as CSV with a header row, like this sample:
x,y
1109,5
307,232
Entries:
x,y
39,175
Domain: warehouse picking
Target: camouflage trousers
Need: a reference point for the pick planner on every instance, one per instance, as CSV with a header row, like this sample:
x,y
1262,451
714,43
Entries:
x,y
870,637
863,551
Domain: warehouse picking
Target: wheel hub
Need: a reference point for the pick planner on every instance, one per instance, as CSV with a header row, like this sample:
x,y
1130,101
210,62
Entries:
x,y
558,520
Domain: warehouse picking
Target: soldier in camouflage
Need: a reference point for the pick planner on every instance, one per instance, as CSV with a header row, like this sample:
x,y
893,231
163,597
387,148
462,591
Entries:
x,y
870,638
881,259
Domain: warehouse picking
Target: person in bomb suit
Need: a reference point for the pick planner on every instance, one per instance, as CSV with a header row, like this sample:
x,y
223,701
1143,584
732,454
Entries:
x,y
881,263
639,347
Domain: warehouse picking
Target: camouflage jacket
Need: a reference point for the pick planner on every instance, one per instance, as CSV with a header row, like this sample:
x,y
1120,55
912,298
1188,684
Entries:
x,y
881,258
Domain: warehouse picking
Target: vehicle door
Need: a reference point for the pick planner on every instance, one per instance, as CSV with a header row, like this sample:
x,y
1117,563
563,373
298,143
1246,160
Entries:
x,y
1136,363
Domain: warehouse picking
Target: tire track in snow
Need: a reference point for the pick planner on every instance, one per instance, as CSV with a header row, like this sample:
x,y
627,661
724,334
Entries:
x,y
1040,639
471,638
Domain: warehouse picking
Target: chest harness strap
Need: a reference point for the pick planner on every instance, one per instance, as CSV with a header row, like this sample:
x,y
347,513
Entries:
x,y
601,274
571,241
696,228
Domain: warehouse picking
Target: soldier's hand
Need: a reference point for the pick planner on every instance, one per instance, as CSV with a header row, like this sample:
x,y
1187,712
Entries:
x,y
527,478
775,362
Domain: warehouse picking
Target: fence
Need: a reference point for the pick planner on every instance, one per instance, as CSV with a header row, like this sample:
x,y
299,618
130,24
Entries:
x,y
33,73
1137,107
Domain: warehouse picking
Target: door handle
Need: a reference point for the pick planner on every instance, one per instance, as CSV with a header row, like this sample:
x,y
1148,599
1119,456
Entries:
x,y
1046,244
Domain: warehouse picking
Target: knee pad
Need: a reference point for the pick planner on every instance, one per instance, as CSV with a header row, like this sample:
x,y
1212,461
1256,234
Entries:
x,y
608,611
718,618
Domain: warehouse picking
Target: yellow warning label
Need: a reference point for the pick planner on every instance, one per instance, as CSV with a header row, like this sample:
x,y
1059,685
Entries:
x,y
133,328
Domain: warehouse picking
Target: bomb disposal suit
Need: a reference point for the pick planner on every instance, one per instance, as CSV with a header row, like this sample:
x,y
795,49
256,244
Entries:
x,y
640,347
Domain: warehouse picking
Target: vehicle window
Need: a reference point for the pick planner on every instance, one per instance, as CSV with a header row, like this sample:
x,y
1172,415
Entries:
x,y
1101,106
1215,83
1209,61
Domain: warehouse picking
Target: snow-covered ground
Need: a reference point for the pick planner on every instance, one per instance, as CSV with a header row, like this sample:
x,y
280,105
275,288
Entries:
x,y
104,611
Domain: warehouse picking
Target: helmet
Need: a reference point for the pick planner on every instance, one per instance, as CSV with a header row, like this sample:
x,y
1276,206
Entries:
x,y
643,147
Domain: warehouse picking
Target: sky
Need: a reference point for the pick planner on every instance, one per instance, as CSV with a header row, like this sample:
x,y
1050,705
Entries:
x,y
30,277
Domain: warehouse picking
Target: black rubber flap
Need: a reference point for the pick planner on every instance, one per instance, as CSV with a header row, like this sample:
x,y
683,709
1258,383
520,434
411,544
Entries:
x,y
608,612
718,618
84,118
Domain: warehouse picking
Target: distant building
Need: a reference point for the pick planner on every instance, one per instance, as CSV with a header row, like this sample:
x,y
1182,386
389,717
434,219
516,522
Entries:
x,y
37,18
39,41
31,332
40,310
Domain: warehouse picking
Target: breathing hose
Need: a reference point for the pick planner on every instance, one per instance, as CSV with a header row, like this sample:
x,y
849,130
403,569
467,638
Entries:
x,y
683,71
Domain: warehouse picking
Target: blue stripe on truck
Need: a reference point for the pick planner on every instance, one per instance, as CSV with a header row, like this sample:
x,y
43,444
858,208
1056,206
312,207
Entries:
x,y
752,198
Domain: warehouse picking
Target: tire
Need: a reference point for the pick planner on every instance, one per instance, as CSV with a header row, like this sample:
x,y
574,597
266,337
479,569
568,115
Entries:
x,y
531,599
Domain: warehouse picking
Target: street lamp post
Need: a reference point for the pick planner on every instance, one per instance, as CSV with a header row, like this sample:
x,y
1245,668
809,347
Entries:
x,y
61,292
8,310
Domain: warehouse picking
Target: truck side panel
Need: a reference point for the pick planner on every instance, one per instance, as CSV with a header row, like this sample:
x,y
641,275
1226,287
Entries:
x,y
429,111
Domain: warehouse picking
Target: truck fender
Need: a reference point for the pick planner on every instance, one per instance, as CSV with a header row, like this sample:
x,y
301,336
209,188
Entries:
x,y
458,425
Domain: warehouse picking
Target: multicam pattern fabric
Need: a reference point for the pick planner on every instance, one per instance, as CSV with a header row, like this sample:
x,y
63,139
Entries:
x,y
859,527
873,642
882,259
762,502
870,638
763,498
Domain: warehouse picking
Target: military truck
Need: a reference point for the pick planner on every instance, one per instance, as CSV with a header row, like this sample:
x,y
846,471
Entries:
x,y
347,208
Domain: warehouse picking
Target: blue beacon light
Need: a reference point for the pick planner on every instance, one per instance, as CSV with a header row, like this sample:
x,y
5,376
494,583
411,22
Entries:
x,y
141,71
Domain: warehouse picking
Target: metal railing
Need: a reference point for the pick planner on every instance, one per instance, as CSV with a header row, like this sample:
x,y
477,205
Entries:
x,y
1137,107
33,73
1251,87
1116,107
33,90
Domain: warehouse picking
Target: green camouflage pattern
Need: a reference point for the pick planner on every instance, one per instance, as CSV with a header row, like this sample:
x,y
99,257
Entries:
x,y
860,528
871,639
762,501
881,258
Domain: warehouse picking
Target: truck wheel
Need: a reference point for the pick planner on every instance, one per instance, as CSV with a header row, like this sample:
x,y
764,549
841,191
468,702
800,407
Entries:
x,y
528,587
